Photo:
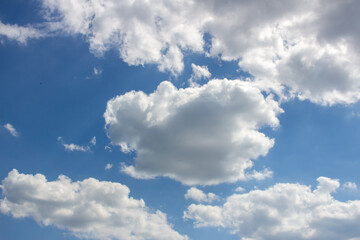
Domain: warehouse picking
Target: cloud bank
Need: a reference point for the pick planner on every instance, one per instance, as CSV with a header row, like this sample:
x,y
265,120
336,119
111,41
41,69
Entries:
x,y
88,209
198,135
283,211
305,49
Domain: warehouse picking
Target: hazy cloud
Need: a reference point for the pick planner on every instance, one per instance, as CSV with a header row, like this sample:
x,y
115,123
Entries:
x,y
108,166
19,33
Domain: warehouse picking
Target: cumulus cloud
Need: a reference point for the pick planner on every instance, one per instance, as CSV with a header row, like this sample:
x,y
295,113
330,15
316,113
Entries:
x,y
198,135
199,196
88,209
19,33
283,211
74,147
143,32
305,49
11,129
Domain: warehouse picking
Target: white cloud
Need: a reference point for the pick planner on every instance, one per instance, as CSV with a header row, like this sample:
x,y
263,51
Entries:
x,y
19,33
284,211
143,32
199,196
73,147
108,166
93,141
239,189
350,185
307,47
11,129
197,135
97,71
88,209
198,72
108,148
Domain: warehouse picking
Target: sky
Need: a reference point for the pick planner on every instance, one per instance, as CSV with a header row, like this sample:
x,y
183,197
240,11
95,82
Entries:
x,y
154,120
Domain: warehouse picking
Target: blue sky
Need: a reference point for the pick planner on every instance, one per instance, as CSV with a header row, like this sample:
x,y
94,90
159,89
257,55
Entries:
x,y
218,120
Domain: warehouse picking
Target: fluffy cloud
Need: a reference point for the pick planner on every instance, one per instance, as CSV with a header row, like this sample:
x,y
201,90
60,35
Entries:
x,y
89,208
198,135
19,33
143,32
284,211
307,47
11,129
199,196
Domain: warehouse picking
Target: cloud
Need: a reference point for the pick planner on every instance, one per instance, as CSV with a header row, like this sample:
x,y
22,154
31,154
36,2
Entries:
x,y
199,196
108,166
93,141
88,209
198,72
97,71
283,211
19,33
350,186
196,135
142,32
305,49
108,148
11,129
73,147
239,189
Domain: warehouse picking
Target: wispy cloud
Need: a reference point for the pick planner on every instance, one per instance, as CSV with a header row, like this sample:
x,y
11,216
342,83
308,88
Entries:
x,y
108,148
97,71
198,72
108,166
93,141
11,129
74,147
19,33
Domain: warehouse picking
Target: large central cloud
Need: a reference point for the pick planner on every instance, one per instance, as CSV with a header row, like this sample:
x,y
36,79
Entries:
x,y
197,135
